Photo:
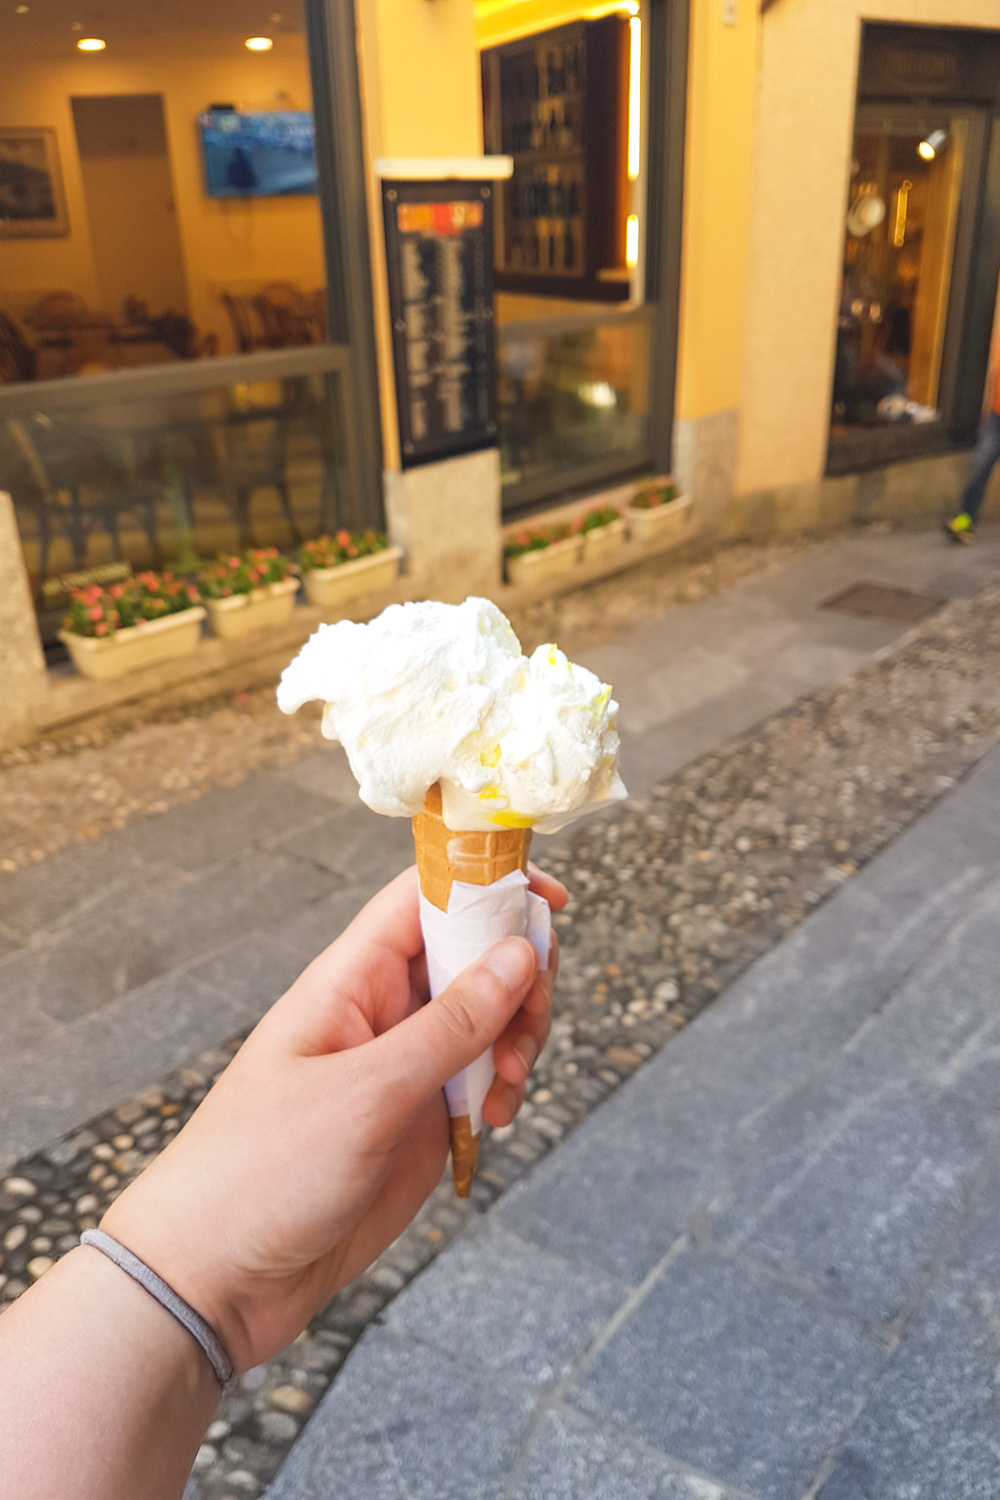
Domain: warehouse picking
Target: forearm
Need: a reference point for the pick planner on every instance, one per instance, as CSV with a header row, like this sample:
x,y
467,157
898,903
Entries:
x,y
102,1391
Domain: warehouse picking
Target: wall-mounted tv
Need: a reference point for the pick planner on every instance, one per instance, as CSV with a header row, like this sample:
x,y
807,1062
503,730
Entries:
x,y
262,154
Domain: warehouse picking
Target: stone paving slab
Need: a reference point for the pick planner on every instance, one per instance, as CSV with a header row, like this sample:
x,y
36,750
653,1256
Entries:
x,y
439,1430
144,932
550,1312
356,844
47,1091
930,1427
568,1458
733,1372
231,821
855,1194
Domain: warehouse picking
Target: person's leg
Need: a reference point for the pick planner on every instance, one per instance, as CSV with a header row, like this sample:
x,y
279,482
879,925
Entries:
x,y
984,460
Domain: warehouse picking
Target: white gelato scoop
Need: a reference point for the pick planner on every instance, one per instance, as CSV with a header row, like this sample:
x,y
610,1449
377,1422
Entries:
x,y
442,692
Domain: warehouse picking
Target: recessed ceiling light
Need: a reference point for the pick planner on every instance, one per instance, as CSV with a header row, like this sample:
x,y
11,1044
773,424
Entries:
x,y
91,44
259,43
21,10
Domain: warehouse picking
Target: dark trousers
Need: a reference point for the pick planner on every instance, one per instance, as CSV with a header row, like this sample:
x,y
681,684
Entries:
x,y
983,461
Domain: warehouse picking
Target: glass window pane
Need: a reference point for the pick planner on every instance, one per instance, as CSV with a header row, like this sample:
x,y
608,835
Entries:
x,y
124,473
158,195
569,396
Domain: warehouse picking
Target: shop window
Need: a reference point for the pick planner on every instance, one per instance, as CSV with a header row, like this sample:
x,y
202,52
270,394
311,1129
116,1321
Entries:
x,y
921,250
566,103
167,386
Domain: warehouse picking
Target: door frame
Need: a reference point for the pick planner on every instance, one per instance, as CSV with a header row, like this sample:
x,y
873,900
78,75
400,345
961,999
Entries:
x,y
331,34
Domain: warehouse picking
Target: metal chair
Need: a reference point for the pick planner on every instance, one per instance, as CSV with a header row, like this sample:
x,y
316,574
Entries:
x,y
18,360
240,455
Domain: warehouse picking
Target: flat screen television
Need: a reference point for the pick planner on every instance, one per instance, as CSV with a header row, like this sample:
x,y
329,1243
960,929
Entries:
x,y
264,154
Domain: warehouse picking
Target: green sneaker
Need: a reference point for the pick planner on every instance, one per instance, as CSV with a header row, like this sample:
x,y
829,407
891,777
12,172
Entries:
x,y
960,528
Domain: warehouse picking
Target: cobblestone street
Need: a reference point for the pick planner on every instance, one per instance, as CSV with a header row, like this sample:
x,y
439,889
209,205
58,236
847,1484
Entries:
x,y
724,1288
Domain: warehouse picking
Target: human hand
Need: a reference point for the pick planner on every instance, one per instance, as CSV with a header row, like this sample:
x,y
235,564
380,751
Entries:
x,y
329,1129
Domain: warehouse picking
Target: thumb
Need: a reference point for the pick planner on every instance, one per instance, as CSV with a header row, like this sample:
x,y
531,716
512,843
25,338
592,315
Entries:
x,y
417,1057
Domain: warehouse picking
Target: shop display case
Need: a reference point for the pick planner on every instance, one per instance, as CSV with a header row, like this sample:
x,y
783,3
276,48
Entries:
x,y
557,103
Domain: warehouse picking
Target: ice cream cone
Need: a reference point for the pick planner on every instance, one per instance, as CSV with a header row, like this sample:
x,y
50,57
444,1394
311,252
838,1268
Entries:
x,y
474,858
477,858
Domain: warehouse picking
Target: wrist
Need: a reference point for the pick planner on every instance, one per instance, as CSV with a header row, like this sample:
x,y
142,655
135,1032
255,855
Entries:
x,y
175,1255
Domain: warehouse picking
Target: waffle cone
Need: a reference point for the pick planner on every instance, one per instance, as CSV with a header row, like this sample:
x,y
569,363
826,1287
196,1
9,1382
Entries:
x,y
464,1155
475,858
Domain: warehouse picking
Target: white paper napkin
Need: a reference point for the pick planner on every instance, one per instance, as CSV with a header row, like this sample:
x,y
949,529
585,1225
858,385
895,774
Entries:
x,y
477,917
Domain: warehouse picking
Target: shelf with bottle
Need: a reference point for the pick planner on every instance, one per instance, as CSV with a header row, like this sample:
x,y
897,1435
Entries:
x,y
551,246
546,72
549,196
557,103
546,128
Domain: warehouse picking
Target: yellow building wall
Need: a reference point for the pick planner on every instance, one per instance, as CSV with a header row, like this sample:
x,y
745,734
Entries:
x,y
806,86
718,155
226,243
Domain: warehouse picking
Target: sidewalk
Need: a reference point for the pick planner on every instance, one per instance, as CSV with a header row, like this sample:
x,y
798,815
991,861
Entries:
x,y
122,956
767,1268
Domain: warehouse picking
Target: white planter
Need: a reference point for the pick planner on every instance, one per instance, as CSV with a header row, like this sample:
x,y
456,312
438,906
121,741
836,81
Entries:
x,y
242,613
138,646
328,587
546,562
663,523
603,540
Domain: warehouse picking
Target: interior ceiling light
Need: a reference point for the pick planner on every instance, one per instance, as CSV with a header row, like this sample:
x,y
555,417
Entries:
x,y
258,43
21,10
931,144
91,44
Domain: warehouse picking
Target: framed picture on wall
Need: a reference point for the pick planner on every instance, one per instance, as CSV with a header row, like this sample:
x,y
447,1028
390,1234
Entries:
x,y
32,201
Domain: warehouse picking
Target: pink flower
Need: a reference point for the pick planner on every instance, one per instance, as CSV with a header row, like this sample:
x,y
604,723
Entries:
x,y
102,629
343,538
96,613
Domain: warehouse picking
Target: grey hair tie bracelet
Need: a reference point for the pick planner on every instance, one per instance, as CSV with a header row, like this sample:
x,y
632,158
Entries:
x,y
215,1350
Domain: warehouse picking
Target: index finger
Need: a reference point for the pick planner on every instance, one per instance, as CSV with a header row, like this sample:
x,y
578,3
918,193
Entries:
x,y
547,886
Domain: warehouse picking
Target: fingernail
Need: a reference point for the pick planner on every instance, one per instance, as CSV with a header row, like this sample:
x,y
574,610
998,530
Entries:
x,y
527,1050
511,962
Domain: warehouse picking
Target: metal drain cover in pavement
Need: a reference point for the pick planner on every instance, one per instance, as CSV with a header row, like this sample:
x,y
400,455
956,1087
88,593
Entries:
x,y
878,601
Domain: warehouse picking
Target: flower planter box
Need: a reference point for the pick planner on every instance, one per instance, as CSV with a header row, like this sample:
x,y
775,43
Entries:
x,y
546,562
242,613
138,646
328,587
663,523
602,541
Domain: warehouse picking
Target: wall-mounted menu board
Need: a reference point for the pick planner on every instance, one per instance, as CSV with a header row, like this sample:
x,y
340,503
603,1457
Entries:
x,y
439,243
